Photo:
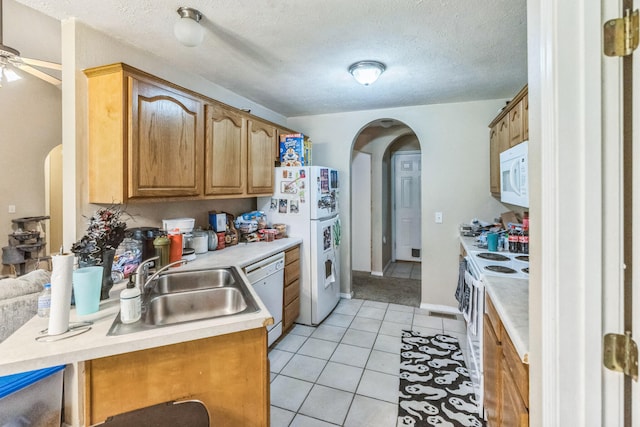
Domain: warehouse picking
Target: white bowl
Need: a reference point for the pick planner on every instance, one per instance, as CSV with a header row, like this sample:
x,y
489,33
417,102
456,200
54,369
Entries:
x,y
185,225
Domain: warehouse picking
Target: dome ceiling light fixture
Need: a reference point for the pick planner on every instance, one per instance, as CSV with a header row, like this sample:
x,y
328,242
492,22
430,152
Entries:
x,y
367,72
187,29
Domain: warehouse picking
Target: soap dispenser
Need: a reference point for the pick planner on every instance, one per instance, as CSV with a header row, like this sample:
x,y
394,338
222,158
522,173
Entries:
x,y
130,302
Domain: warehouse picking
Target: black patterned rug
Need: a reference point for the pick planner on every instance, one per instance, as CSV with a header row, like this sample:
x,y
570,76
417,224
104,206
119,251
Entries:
x,y
435,387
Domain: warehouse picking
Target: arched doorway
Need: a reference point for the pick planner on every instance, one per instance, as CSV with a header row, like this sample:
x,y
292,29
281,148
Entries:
x,y
373,212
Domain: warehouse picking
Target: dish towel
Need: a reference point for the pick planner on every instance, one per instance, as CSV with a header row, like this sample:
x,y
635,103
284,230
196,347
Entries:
x,y
460,290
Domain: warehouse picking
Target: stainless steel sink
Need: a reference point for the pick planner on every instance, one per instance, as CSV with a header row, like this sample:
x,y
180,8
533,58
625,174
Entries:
x,y
193,305
181,281
187,296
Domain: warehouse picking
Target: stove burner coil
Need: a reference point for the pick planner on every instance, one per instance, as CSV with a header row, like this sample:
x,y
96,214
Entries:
x,y
525,270
500,269
492,256
523,258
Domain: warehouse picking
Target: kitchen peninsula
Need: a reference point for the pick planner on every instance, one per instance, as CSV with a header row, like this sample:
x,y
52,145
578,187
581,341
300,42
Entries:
x,y
222,361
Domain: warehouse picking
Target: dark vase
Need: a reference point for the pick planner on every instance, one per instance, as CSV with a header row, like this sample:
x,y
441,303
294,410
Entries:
x,y
107,281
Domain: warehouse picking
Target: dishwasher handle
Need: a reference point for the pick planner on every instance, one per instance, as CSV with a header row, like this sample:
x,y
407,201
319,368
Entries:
x,y
265,268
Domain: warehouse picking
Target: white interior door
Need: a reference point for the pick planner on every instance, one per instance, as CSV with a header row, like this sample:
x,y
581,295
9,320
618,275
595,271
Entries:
x,y
361,212
407,170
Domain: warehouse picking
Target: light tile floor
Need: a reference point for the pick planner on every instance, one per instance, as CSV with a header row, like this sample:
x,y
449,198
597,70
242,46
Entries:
x,y
345,371
404,270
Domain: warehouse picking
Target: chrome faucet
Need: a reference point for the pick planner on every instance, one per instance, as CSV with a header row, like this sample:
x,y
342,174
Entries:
x,y
142,272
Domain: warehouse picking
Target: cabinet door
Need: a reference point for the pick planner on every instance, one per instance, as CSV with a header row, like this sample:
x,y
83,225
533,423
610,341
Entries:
x,y
494,161
165,141
492,355
515,125
514,412
503,135
260,142
226,151
525,118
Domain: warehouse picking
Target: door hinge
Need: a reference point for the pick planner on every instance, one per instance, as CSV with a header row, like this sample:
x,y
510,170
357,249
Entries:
x,y
621,34
621,354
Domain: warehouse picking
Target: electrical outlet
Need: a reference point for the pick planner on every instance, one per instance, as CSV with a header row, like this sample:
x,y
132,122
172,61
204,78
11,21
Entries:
x,y
12,208
438,217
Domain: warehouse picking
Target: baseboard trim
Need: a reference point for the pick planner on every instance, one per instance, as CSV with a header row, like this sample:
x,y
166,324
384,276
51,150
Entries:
x,y
346,295
377,273
441,308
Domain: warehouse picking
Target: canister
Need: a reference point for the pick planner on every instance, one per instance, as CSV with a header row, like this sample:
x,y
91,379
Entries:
x,y
161,245
200,241
213,240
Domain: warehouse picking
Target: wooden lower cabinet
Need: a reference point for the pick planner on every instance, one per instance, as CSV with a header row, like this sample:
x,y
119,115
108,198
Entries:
x,y
506,377
291,302
492,355
229,374
514,413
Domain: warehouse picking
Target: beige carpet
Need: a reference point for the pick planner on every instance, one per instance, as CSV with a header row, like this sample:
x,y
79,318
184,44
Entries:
x,y
385,289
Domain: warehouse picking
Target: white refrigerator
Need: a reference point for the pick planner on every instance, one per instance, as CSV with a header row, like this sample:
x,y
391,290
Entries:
x,y
306,200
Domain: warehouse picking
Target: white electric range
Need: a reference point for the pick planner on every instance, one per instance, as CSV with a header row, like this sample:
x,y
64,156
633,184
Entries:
x,y
505,264
479,265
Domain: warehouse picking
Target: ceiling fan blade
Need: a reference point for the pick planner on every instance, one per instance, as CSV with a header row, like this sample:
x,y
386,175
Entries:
x,y
44,76
43,64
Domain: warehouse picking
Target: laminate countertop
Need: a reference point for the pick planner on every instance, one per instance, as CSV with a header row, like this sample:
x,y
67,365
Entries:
x,y
21,352
510,297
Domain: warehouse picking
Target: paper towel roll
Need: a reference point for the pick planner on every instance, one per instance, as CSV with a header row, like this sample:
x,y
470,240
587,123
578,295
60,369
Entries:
x,y
61,280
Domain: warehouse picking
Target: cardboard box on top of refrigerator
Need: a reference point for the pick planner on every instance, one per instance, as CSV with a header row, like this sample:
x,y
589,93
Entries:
x,y
295,150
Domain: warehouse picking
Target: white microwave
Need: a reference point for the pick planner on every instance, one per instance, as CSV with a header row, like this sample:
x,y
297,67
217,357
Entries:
x,y
514,175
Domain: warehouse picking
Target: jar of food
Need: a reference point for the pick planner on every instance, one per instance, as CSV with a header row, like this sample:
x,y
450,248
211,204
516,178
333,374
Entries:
x,y
221,240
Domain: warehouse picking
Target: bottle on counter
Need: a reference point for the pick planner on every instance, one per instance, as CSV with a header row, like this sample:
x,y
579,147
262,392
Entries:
x,y
44,301
161,245
513,239
175,247
524,239
130,302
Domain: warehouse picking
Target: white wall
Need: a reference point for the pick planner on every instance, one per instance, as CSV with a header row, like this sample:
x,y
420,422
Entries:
x,y
361,198
454,139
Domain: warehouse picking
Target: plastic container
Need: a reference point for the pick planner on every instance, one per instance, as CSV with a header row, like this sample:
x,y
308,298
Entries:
x,y
44,301
128,257
184,225
32,398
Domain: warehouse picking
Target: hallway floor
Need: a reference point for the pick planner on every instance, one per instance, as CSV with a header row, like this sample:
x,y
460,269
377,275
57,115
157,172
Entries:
x,y
404,270
345,372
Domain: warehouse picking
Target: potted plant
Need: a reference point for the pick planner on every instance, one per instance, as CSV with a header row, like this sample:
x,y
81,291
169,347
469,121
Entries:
x,y
105,231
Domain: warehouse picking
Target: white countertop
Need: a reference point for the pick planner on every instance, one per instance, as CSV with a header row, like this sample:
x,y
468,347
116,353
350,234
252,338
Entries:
x,y
21,352
511,299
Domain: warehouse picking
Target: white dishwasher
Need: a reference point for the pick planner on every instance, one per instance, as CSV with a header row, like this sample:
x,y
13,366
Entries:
x,y
267,278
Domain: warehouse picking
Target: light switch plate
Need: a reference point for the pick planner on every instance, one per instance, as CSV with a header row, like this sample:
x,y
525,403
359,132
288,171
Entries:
x,y
438,217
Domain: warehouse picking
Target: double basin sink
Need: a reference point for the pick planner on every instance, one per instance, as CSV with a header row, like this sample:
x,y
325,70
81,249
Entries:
x,y
186,296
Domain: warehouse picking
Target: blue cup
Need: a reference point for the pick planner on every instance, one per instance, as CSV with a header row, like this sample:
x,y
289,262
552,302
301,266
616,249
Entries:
x,y
87,282
492,241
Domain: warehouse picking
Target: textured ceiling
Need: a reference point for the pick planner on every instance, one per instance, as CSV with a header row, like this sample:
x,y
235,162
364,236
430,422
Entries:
x,y
291,56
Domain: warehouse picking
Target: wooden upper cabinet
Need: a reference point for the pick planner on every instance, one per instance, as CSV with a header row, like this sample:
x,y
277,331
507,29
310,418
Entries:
x,y
226,151
260,142
145,137
165,135
494,161
525,117
515,125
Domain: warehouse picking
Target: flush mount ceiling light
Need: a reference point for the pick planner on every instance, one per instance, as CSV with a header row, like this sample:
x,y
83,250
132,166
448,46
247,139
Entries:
x,y
187,29
367,72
